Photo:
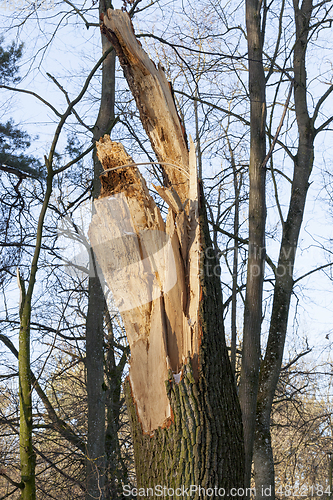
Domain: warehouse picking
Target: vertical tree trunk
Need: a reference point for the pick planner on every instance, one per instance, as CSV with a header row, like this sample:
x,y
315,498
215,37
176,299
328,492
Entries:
x,y
257,217
116,471
96,401
203,443
27,454
303,162
182,401
96,457
237,186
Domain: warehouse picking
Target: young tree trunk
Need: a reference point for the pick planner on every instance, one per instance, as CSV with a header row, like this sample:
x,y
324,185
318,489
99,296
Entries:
x,y
257,218
116,471
181,395
96,402
27,454
303,162
237,187
96,455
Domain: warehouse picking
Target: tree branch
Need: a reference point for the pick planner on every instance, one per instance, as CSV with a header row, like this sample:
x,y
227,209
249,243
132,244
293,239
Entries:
x,y
275,138
296,358
313,271
320,102
24,91
235,115
198,51
323,126
60,87
10,480
244,242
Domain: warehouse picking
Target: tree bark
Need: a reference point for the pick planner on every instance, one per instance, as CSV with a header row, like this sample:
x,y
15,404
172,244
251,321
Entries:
x,y
96,454
303,162
27,454
257,218
203,444
181,396
116,471
96,400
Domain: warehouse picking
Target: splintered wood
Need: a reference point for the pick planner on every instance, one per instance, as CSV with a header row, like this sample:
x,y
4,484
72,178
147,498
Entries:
x,y
153,97
151,266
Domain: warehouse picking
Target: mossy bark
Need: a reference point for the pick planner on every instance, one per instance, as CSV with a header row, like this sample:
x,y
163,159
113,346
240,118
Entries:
x,y
27,454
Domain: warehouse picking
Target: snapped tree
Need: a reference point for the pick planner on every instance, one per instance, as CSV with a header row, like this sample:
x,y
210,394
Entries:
x,y
177,308
181,393
258,379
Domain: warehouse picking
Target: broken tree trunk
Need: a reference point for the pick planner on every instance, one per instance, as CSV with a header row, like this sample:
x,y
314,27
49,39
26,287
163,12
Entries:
x,y
181,395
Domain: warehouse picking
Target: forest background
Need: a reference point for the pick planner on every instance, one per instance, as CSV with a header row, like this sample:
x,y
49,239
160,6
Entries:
x,y
203,49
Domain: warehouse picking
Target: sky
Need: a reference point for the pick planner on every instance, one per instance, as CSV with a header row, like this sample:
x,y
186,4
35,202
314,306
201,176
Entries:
x,y
73,50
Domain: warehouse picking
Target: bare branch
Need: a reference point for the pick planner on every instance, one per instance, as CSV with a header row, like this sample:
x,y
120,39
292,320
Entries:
x,y
74,102
29,92
323,126
58,424
313,271
270,152
190,49
72,162
10,480
79,13
320,102
295,359
60,87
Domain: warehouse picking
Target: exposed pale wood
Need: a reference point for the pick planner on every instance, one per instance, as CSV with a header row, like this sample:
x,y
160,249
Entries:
x,y
182,224
151,267
175,299
194,255
170,196
153,96
129,239
145,263
149,371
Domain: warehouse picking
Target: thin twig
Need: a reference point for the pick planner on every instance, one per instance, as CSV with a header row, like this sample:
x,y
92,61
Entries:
x,y
270,152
